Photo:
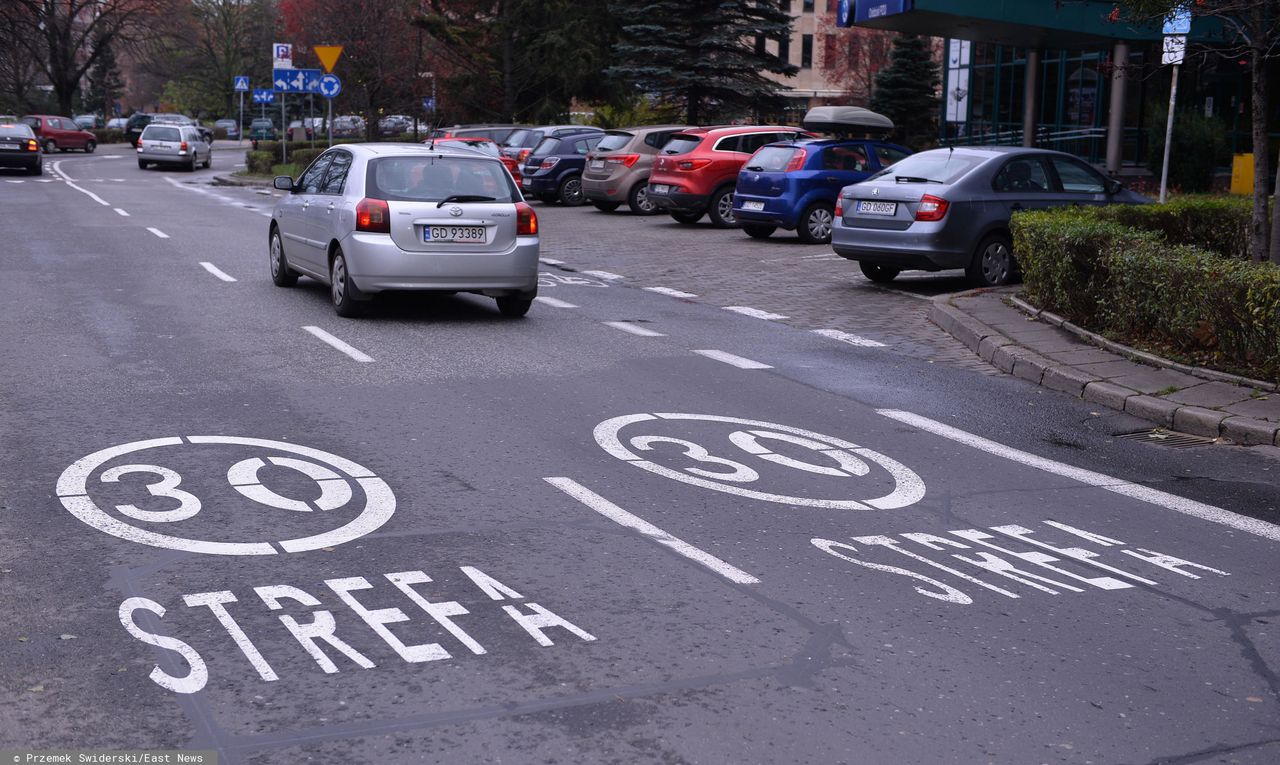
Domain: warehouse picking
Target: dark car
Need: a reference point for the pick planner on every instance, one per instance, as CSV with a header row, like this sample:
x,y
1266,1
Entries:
x,y
553,170
793,185
182,119
138,122
262,129
60,133
950,208
519,144
20,148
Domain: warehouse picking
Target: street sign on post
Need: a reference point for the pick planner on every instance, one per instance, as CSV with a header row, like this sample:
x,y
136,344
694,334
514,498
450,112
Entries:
x,y
1174,50
329,86
263,96
295,80
328,55
241,83
310,80
282,56
1178,22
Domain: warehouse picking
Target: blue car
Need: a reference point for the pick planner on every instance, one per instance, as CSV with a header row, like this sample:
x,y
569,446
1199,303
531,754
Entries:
x,y
553,170
793,185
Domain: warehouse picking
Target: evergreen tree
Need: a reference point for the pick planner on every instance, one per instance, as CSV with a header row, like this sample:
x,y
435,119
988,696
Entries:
x,y
906,92
706,56
105,84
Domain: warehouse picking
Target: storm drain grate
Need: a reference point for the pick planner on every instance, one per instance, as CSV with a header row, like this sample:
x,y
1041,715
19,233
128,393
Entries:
x,y
1168,438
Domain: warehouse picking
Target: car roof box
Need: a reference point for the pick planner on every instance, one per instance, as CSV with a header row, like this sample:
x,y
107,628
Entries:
x,y
845,119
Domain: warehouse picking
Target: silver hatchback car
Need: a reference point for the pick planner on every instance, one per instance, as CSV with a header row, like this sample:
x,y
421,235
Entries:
x,y
170,144
367,218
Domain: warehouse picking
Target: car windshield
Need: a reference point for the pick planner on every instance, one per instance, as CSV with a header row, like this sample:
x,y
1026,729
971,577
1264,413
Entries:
x,y
432,179
546,146
614,141
158,133
771,158
20,131
938,166
262,123
680,143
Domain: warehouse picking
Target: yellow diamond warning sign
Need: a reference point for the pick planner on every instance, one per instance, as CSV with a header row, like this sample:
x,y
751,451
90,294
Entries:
x,y
328,55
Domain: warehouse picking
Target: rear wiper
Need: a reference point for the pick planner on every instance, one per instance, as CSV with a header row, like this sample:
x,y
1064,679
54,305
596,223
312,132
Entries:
x,y
464,198
913,179
755,168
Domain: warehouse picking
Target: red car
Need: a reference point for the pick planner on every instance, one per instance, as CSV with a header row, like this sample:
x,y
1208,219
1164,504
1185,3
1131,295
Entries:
x,y
696,171
60,133
486,145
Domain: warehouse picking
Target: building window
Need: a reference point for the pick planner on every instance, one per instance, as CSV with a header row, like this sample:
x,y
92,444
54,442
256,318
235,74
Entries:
x,y
808,6
759,45
784,50
806,51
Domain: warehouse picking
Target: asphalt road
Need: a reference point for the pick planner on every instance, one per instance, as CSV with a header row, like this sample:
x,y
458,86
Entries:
x,y
632,527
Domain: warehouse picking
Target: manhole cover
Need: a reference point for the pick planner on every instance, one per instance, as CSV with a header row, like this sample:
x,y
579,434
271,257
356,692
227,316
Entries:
x,y
1168,438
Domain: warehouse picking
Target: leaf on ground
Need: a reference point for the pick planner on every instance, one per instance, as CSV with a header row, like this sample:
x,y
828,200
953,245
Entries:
x,y
37,688
1254,699
65,636
22,639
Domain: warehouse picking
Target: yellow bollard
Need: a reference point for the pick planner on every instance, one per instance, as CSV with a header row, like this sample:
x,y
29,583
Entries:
x,y
1242,174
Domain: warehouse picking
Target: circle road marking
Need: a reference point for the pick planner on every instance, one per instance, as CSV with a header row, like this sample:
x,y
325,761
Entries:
x,y
908,487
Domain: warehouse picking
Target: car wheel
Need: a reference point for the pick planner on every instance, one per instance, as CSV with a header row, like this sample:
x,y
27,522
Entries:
x,y
721,208
142,165
514,306
281,274
879,274
638,200
341,290
607,206
50,146
815,223
90,146
687,218
570,194
191,163
993,263
758,230
208,160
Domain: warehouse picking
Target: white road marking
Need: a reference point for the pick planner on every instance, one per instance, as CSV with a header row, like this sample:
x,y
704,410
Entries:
x,y
45,180
846,337
755,313
623,518
551,261
1163,499
121,213
671,292
158,232
340,345
737,361
8,181
218,272
606,275
554,303
57,168
634,329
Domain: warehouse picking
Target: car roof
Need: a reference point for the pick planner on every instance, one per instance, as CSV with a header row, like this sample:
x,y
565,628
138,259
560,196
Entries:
x,y
717,131
373,150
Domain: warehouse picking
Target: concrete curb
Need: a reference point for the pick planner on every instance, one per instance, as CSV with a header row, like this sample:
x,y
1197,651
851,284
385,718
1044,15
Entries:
x,y
1023,361
233,180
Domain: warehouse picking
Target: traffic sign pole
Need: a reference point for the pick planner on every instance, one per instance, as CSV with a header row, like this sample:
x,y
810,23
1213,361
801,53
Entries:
x,y
240,125
329,121
284,125
1168,136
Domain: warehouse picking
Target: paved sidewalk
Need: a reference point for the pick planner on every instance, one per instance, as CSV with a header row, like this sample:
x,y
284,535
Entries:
x,y
1035,346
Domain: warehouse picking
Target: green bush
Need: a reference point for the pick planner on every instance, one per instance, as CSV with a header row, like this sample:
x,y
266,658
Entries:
x,y
1138,285
1219,224
1199,148
108,136
259,162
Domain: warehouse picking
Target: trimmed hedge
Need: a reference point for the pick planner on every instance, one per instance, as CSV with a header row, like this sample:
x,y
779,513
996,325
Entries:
x,y
1141,286
1216,223
259,162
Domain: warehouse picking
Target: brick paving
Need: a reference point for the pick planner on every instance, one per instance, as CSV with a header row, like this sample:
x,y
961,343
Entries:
x,y
811,285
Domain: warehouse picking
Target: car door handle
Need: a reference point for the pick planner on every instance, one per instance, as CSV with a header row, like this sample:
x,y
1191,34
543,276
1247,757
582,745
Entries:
x,y
329,208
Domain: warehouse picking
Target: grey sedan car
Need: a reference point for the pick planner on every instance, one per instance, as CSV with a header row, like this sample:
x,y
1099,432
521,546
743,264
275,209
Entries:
x,y
950,208
367,218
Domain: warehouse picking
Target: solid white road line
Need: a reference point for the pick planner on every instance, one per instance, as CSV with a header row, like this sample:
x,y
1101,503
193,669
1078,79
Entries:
x,y
554,302
623,518
737,361
121,213
755,313
218,272
1124,488
671,292
158,232
634,329
846,337
551,261
15,181
57,169
340,345
608,276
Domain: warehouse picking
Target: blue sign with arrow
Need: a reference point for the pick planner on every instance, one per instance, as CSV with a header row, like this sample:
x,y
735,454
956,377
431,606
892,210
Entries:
x,y
263,96
242,83
329,86
295,80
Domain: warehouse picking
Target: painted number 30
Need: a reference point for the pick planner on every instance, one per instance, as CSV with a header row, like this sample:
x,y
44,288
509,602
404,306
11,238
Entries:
x,y
749,442
335,491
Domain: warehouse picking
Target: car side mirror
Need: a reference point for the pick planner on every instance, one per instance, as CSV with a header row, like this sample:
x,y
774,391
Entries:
x,y
283,182
1114,187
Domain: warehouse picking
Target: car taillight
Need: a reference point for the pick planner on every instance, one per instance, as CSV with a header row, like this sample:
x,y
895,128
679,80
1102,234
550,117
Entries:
x,y
692,164
797,161
839,207
32,145
373,216
182,146
524,154
626,160
549,163
526,220
931,208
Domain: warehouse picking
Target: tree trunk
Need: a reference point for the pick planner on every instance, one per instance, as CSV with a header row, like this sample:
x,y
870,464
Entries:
x,y
1258,239
1275,224
691,106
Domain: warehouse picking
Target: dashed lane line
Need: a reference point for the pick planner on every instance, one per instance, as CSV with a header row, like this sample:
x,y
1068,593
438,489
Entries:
x,y
554,302
623,518
732,360
121,213
351,351
158,232
851,339
1163,499
670,292
218,272
633,328
755,313
608,276
551,261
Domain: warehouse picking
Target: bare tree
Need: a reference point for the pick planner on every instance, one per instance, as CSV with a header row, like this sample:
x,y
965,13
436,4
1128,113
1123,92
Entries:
x,y
852,56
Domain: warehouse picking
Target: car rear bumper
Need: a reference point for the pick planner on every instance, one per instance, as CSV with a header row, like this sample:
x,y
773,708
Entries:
x,y
608,190
777,211
26,159
161,157
921,246
376,264
680,201
538,185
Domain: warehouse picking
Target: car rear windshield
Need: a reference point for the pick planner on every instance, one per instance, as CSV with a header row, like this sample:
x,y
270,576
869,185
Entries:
x,y
158,133
680,143
939,166
432,179
19,131
771,158
488,148
520,138
261,123
546,146
614,141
